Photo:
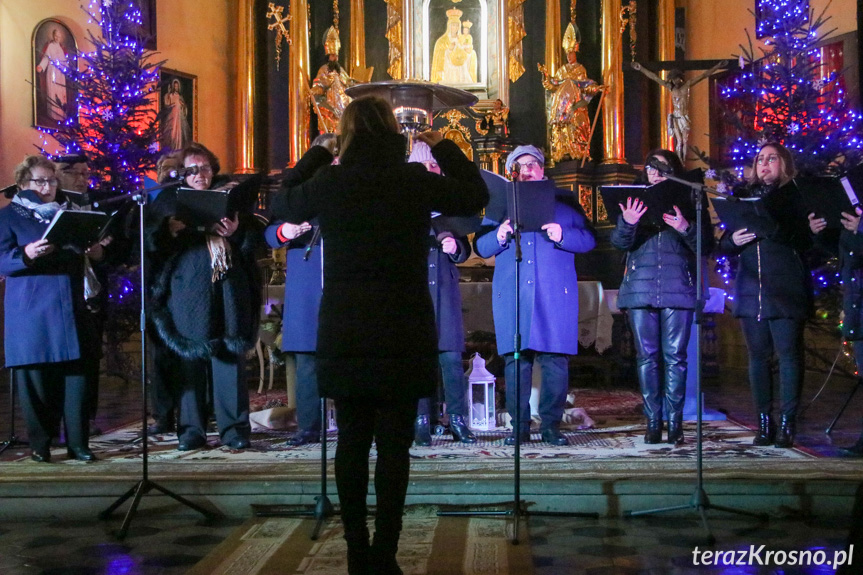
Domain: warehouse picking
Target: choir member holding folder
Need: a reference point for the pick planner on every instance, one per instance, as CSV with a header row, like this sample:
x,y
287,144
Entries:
x,y
659,290
772,291
49,331
206,300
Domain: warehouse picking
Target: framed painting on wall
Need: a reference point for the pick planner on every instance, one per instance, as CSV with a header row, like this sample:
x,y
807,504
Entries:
x,y
178,110
455,42
147,29
55,51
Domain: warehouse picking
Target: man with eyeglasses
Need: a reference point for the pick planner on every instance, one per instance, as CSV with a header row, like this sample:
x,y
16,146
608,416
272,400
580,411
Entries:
x,y
548,299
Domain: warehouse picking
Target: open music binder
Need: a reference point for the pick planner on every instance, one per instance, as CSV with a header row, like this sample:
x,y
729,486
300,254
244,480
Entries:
x,y
457,226
77,228
750,213
827,197
534,201
201,209
659,198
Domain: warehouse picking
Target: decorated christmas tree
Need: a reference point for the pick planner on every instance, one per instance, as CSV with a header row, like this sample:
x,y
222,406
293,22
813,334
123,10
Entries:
x,y
792,93
114,119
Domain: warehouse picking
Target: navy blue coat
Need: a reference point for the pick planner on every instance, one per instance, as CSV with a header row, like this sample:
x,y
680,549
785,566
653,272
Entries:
x,y
44,303
446,295
660,264
772,282
303,289
548,284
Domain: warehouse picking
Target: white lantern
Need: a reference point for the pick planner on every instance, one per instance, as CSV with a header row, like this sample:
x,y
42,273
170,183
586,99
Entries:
x,y
480,394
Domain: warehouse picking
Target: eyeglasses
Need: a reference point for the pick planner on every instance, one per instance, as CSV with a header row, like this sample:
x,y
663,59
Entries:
x,y
771,159
529,165
43,182
651,169
204,169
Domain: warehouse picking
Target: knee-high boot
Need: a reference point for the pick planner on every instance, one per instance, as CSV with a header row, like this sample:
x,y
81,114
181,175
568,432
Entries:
x,y
675,393
648,379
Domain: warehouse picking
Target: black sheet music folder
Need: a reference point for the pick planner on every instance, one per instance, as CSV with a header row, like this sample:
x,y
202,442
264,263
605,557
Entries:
x,y
76,228
827,197
660,199
535,201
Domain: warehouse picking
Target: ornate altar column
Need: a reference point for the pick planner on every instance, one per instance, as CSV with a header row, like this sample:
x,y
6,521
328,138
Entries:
x,y
612,78
666,52
358,37
552,36
245,87
298,80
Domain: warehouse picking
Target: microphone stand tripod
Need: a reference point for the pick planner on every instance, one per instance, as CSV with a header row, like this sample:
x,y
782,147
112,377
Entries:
x,y
518,509
699,501
144,485
323,507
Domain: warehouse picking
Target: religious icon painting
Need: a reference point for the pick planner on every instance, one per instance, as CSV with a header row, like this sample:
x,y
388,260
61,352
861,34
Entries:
x,y
55,52
178,110
455,42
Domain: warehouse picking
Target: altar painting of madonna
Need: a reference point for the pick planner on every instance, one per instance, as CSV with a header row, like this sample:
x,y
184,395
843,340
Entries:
x,y
455,42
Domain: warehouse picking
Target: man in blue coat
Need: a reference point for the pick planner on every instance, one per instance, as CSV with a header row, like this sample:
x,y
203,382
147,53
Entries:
x,y
548,299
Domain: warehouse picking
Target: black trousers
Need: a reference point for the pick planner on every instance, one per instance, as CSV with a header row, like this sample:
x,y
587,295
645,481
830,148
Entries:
x,y
454,386
785,337
308,400
49,392
390,424
552,393
230,398
165,383
661,337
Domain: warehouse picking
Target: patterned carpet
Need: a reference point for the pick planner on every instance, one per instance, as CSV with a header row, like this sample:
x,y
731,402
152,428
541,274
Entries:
x,y
429,545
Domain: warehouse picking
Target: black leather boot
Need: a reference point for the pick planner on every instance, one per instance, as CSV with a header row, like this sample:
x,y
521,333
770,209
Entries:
x,y
766,432
358,553
653,434
460,430
422,433
675,429
785,435
382,556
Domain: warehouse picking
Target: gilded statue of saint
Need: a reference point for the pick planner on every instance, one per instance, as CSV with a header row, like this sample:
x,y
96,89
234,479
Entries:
x,y
454,59
328,87
679,123
569,92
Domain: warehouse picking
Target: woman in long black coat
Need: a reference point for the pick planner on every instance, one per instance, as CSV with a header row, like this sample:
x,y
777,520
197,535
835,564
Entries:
x,y
772,289
377,344
205,306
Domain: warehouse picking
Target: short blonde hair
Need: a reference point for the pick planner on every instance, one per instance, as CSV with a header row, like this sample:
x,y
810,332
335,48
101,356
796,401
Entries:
x,y
23,171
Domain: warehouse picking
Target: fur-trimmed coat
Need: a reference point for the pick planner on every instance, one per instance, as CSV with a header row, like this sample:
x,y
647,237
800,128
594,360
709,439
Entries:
x,y
193,315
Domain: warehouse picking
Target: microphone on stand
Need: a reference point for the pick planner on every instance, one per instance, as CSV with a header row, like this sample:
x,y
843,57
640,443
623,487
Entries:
x,y
316,235
181,173
659,166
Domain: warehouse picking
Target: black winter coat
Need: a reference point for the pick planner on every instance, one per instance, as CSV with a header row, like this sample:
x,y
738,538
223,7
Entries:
x,y
660,263
772,282
192,315
376,334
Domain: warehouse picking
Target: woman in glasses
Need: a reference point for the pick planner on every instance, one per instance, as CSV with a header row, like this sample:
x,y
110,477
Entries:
x,y
49,331
772,291
206,299
659,290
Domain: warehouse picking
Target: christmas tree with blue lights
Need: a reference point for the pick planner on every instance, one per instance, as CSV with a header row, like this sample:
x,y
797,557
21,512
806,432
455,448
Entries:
x,y
784,96
114,119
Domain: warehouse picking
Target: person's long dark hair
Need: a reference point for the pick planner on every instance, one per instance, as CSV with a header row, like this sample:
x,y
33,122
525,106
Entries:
x,y
368,115
666,156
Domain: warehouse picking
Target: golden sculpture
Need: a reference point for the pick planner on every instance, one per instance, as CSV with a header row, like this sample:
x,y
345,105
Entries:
x,y
569,92
454,59
678,120
515,35
278,24
328,87
394,37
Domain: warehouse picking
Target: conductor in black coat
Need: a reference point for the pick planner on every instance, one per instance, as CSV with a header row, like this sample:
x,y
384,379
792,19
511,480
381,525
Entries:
x,y
377,344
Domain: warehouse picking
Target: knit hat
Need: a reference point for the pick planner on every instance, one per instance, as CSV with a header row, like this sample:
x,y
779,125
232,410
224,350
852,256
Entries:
x,y
521,151
421,153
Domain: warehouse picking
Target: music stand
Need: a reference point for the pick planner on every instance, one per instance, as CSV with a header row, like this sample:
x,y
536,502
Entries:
x,y
518,509
699,501
145,484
